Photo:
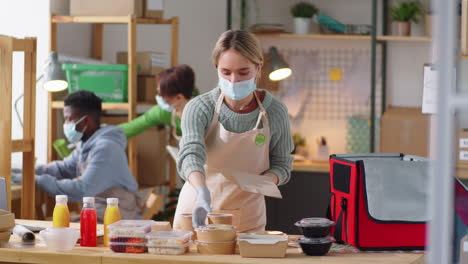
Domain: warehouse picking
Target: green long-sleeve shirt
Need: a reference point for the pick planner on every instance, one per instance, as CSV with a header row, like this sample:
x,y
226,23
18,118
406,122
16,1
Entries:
x,y
156,116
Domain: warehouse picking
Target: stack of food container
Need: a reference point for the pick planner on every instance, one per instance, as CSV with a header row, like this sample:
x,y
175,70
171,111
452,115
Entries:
x,y
216,239
7,221
317,240
168,242
129,236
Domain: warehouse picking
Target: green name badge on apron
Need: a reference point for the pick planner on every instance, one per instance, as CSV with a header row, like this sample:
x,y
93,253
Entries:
x,y
260,140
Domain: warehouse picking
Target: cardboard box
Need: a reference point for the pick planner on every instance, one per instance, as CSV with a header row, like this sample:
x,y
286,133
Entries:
x,y
151,152
147,88
462,146
262,246
464,28
106,8
151,63
461,171
154,9
152,157
404,130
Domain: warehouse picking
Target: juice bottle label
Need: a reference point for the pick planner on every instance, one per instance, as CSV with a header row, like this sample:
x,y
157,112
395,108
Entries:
x,y
111,216
88,223
61,216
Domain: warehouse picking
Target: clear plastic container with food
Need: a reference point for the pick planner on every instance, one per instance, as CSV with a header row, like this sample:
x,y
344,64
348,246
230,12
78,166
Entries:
x,y
133,239
129,231
180,249
169,238
128,247
131,227
216,233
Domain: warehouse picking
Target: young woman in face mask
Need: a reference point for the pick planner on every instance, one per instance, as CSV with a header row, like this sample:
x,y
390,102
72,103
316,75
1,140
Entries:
x,y
175,88
234,130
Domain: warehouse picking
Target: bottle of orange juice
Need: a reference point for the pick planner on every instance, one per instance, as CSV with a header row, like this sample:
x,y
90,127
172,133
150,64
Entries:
x,y
111,216
61,215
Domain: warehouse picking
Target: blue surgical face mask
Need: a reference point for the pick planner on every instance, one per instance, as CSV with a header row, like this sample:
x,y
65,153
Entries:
x,y
73,135
163,104
239,90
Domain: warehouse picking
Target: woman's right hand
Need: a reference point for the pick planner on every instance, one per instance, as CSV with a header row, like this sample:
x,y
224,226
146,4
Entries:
x,y
203,201
202,206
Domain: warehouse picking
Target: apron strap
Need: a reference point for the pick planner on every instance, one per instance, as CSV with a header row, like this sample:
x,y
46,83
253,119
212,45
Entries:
x,y
262,115
214,121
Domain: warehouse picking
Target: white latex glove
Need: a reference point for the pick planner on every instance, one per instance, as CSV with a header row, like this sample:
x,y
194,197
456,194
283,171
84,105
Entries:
x,y
202,206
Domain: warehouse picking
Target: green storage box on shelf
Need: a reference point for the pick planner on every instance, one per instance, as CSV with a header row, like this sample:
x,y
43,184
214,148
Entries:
x,y
108,82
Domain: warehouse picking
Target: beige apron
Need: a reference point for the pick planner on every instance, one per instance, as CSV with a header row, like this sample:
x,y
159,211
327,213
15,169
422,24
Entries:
x,y
227,154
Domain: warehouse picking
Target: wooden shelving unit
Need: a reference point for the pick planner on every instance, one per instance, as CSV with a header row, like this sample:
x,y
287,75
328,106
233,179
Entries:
x,y
131,106
345,37
106,106
8,45
316,36
404,39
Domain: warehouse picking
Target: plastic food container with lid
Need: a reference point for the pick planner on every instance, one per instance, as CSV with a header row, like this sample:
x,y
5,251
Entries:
x,y
128,228
168,250
315,226
216,233
128,247
60,239
316,246
262,246
216,248
169,238
127,239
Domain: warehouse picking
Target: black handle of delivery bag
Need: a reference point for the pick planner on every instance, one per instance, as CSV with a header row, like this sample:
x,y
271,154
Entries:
x,y
368,155
339,223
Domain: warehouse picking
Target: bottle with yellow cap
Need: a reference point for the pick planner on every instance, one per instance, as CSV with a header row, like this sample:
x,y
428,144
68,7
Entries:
x,y
111,216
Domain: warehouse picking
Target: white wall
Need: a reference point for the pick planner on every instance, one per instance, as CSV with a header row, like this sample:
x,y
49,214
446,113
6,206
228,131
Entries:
x,y
28,18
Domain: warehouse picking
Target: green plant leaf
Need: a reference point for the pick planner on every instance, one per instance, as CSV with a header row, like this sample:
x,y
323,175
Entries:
x,y
304,10
406,11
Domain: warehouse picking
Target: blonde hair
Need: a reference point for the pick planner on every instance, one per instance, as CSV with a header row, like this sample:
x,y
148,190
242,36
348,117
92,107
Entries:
x,y
241,41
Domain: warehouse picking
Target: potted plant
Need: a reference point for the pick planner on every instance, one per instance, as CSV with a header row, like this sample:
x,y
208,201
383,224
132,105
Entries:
x,y
299,144
402,14
303,13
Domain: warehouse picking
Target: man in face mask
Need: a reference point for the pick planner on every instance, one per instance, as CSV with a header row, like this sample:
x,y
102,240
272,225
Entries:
x,y
98,166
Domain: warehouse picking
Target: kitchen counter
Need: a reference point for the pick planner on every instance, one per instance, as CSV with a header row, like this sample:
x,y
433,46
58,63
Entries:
x,y
311,166
99,255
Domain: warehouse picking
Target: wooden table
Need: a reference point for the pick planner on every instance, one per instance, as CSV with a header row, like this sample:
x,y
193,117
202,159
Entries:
x,y
101,255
